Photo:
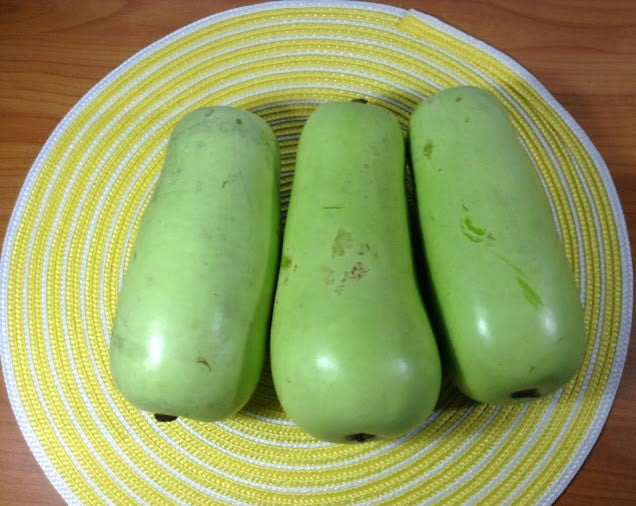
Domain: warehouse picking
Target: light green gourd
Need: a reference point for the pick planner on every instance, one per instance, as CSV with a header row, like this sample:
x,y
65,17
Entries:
x,y
509,309
192,318
352,352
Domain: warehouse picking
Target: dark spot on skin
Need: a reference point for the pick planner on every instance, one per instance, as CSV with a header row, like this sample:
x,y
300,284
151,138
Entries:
x,y
178,171
525,394
473,232
364,249
165,418
366,165
331,207
466,119
465,208
224,183
360,100
208,113
154,197
532,368
285,262
360,437
203,361
470,237
134,255
428,149
439,169
458,99
239,121
474,229
358,271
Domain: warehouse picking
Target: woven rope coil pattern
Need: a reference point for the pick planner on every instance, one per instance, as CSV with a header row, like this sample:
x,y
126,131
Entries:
x,y
73,227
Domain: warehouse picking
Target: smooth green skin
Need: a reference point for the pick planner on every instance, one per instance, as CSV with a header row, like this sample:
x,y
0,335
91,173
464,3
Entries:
x,y
352,351
509,309
194,308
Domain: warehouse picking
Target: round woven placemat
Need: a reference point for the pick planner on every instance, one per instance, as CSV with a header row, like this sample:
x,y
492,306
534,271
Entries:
x,y
67,243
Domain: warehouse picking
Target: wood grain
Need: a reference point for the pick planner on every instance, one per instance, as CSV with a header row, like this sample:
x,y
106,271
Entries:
x,y
584,52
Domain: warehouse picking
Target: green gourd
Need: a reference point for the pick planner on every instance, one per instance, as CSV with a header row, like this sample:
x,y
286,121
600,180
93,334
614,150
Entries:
x,y
353,355
192,319
509,313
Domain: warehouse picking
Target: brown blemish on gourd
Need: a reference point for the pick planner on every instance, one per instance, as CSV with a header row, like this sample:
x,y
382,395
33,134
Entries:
x,y
341,243
286,261
203,361
285,264
428,149
364,249
358,271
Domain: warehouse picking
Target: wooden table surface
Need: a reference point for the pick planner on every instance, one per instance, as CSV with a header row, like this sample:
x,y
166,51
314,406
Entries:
x,y
584,52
